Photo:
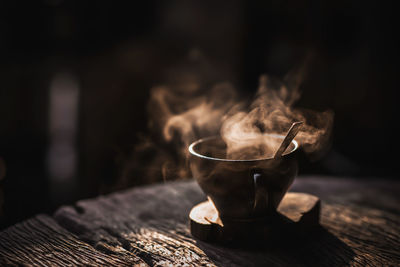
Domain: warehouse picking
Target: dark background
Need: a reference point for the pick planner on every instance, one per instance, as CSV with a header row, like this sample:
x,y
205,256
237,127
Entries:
x,y
113,53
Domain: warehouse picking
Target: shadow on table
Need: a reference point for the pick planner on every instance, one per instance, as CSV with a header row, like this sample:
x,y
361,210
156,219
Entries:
x,y
318,248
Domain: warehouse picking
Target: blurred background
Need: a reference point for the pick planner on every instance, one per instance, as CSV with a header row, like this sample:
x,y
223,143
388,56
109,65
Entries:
x,y
75,79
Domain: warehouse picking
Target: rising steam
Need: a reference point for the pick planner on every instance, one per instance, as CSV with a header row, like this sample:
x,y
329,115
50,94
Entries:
x,y
272,111
185,112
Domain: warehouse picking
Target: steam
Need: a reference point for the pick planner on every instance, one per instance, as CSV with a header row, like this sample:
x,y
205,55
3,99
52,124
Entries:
x,y
272,111
184,111
183,116
187,116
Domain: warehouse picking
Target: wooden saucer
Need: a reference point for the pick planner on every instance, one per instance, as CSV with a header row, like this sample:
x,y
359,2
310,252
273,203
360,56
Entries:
x,y
297,212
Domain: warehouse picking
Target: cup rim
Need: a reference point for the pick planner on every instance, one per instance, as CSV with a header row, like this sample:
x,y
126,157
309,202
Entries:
x,y
193,152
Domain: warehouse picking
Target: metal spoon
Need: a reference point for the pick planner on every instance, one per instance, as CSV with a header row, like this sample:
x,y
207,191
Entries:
x,y
294,129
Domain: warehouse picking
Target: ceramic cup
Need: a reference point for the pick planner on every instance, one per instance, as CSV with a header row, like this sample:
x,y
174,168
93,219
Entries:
x,y
242,189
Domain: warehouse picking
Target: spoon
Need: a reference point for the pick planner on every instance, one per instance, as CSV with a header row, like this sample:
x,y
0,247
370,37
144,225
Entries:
x,y
294,129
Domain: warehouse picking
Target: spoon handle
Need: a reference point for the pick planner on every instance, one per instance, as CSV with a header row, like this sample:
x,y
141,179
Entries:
x,y
294,129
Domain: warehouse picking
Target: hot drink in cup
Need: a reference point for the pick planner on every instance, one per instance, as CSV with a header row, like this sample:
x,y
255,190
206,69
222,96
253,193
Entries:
x,y
243,187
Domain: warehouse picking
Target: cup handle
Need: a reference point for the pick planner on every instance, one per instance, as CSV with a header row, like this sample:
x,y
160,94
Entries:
x,y
262,198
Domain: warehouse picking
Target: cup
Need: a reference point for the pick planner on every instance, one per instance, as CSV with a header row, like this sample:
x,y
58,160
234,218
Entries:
x,y
242,189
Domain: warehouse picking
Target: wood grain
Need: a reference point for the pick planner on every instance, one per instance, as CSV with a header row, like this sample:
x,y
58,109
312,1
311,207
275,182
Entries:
x,y
149,226
40,241
152,222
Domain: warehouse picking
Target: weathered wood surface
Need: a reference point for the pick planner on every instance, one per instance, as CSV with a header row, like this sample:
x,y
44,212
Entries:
x,y
40,241
149,225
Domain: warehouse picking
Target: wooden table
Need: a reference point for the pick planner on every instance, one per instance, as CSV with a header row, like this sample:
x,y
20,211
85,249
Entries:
x,y
148,226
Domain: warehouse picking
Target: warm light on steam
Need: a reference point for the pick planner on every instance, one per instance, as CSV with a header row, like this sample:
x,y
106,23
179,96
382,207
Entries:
x,y
186,111
242,129
184,118
272,112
